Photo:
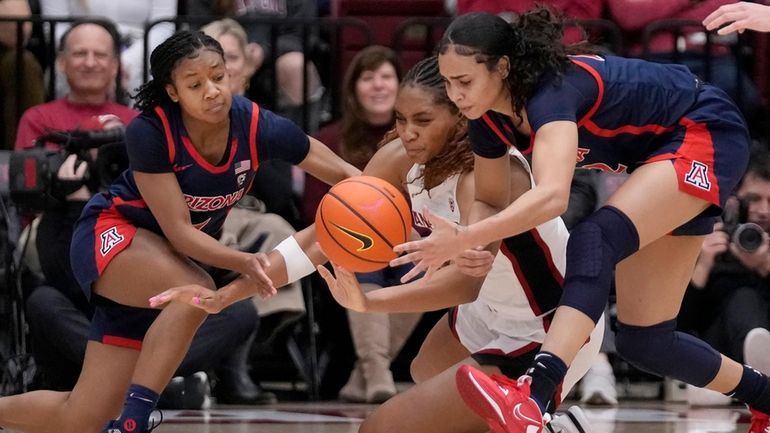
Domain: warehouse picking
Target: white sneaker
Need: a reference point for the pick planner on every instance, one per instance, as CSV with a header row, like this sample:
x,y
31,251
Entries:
x,y
598,386
756,349
572,421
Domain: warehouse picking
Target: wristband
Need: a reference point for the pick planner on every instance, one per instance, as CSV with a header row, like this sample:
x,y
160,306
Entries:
x,y
298,264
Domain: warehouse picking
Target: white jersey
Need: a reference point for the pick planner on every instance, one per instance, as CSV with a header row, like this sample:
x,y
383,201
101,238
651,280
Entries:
x,y
527,275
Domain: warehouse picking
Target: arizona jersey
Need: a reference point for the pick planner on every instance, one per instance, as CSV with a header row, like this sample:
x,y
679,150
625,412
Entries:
x,y
624,109
527,275
157,142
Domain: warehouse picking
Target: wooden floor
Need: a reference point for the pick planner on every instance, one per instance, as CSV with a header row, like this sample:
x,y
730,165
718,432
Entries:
x,y
629,417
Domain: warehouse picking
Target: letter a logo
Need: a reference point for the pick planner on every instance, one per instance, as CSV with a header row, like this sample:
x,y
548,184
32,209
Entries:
x,y
698,176
110,238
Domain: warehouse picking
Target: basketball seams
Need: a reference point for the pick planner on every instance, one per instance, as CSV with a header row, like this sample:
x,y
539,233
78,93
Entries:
x,y
385,193
333,238
361,217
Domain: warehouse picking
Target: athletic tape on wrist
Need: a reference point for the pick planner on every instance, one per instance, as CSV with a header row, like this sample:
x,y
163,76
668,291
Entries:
x,y
298,265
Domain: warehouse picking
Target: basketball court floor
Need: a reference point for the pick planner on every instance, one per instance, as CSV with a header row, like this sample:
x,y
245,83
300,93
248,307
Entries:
x,y
330,417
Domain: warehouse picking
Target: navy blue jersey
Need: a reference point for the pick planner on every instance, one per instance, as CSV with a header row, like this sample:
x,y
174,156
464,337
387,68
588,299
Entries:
x,y
158,143
624,109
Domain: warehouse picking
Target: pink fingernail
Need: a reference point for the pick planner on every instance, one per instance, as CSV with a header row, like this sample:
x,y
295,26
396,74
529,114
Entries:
x,y
196,300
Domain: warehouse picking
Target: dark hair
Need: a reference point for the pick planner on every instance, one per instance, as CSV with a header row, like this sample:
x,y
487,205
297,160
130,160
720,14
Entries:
x,y
106,24
163,60
353,146
532,42
456,156
759,163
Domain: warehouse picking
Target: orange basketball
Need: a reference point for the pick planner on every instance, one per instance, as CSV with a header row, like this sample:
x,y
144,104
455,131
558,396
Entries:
x,y
360,220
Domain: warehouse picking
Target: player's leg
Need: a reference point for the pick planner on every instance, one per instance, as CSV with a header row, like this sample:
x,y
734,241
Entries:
x,y
148,267
96,398
440,350
650,288
433,405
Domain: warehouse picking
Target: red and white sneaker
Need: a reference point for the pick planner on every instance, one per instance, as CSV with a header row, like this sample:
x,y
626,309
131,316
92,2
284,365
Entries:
x,y
760,422
503,403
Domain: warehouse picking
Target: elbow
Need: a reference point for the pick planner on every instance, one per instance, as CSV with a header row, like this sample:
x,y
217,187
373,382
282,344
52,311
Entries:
x,y
555,204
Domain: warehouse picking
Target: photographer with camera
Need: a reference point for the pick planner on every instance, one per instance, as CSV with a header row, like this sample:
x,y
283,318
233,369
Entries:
x,y
80,132
728,301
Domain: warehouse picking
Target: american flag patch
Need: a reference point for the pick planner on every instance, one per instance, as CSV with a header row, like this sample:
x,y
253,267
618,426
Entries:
x,y
242,166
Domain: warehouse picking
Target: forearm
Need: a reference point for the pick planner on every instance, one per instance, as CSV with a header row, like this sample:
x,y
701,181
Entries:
x,y
700,275
201,247
447,288
531,209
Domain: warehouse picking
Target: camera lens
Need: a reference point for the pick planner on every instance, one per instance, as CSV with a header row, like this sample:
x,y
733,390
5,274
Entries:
x,y
748,237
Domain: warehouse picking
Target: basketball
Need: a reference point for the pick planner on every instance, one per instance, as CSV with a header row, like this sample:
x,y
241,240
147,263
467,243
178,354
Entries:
x,y
360,220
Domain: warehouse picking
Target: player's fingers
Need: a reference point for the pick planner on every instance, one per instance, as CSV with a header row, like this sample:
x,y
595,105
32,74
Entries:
x,y
413,273
160,299
736,26
713,20
326,275
263,260
407,247
406,258
261,278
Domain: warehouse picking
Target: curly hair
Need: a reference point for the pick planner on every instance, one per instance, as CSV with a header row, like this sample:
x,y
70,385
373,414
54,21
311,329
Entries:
x,y
456,155
164,58
532,42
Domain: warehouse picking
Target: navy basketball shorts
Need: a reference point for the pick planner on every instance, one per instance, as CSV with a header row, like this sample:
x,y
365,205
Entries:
x,y
710,152
100,234
384,277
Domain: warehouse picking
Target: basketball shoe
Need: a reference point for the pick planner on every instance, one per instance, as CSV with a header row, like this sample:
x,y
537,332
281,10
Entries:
x,y
503,403
130,425
572,421
760,422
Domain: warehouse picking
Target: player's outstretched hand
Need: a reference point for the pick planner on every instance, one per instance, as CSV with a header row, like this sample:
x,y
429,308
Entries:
x,y
738,17
193,294
254,269
430,253
476,262
344,288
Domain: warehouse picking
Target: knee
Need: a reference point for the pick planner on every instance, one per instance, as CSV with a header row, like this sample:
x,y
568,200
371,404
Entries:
x,y
641,345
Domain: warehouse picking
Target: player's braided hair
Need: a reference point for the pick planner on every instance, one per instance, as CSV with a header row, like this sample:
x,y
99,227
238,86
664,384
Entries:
x,y
163,60
456,156
532,42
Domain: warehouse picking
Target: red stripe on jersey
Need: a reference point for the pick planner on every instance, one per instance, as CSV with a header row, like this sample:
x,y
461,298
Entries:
x,y
697,147
130,343
595,129
600,93
112,234
522,279
496,130
169,135
253,126
516,353
119,201
548,257
211,168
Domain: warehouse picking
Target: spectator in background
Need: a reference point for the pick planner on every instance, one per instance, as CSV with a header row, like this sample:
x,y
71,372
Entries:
x,y
728,301
288,67
24,80
572,9
369,91
130,17
58,312
633,16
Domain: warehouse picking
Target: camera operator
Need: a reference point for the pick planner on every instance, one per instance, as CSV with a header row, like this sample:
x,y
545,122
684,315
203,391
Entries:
x,y
728,301
58,312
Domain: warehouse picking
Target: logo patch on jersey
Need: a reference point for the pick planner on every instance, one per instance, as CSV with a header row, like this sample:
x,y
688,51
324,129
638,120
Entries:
x,y
698,176
366,241
242,166
451,204
110,238
177,168
581,153
241,178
